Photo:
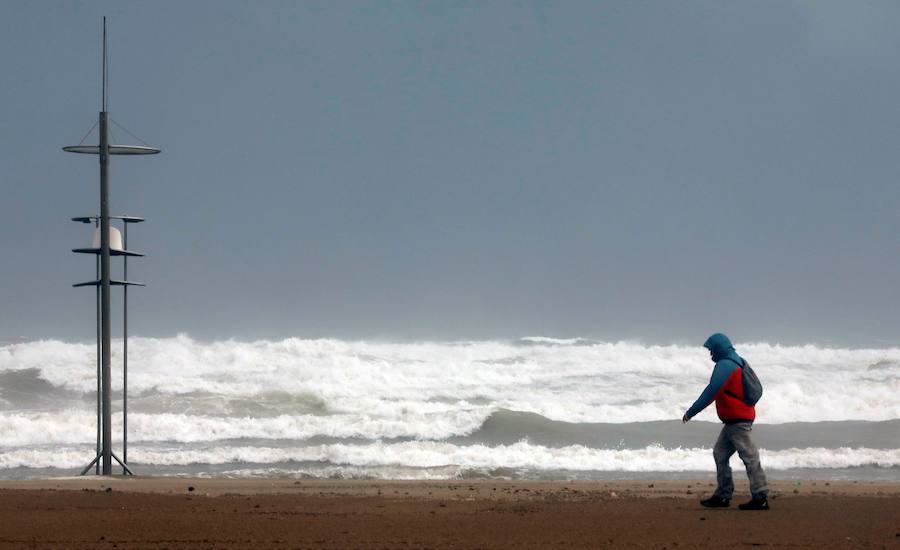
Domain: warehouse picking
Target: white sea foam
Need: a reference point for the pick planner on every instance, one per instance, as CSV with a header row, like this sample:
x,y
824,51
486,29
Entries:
x,y
448,457
72,427
571,380
351,472
190,400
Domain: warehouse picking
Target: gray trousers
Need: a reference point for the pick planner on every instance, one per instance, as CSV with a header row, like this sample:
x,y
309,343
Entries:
x,y
736,437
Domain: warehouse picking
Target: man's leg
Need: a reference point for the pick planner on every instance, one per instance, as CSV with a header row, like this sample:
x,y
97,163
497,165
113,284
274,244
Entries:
x,y
721,453
749,454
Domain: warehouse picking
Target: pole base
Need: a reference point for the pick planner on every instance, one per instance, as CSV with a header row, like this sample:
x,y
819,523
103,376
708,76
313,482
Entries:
x,y
126,470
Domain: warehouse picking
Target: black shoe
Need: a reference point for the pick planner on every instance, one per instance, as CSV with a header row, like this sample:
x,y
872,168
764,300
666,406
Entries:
x,y
755,504
716,501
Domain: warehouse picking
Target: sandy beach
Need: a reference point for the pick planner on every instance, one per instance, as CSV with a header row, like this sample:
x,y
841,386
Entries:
x,y
173,513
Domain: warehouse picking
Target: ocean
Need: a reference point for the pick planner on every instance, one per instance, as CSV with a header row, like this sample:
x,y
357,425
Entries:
x,y
531,408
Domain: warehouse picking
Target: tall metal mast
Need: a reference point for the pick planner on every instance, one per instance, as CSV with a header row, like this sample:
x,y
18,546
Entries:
x,y
106,452
104,250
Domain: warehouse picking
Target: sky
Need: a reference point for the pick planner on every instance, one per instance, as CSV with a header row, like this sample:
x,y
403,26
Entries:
x,y
650,171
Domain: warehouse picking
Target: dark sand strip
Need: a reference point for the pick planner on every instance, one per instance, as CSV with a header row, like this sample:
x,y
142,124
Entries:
x,y
165,513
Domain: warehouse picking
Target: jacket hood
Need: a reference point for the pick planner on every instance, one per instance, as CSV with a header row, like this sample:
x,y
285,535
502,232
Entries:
x,y
721,348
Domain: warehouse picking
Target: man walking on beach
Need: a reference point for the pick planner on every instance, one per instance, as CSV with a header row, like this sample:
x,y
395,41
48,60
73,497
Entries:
x,y
726,389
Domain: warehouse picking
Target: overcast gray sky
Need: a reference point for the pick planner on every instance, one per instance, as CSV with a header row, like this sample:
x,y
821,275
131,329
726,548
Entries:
x,y
457,170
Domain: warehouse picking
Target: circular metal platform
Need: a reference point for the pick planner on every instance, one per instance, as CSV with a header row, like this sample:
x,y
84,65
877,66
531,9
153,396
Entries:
x,y
113,149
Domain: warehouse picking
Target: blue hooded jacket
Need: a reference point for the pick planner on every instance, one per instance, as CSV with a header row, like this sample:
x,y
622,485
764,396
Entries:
x,y
727,360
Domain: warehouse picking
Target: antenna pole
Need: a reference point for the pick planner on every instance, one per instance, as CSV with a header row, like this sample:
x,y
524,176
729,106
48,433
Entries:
x,y
103,71
99,352
125,358
106,458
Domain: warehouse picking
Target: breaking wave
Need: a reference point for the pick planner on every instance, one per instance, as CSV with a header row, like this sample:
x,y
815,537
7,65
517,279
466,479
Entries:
x,y
431,454
535,403
574,380
462,427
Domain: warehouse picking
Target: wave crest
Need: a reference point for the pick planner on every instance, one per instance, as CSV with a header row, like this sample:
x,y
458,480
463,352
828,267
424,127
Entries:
x,y
566,380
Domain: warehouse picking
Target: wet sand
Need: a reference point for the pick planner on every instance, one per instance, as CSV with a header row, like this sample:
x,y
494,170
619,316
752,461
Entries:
x,y
220,513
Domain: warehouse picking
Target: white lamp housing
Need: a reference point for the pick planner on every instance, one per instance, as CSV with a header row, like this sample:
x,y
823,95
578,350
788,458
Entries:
x,y
115,239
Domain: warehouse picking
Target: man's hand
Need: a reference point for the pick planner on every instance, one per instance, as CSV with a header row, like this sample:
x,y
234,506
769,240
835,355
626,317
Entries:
x,y
685,418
